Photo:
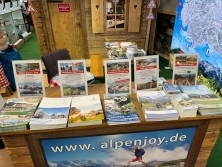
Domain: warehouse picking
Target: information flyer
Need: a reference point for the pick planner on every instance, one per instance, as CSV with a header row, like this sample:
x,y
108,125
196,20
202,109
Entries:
x,y
72,77
118,76
28,78
146,72
185,68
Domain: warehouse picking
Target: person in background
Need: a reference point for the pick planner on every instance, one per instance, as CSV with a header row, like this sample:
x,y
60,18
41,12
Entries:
x,y
110,12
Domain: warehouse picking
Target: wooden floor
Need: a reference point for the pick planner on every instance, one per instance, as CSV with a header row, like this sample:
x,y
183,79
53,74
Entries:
x,y
5,160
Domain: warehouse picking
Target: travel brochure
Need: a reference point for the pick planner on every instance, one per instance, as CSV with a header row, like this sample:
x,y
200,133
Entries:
x,y
51,113
85,110
118,76
16,113
72,76
185,68
120,109
146,72
29,78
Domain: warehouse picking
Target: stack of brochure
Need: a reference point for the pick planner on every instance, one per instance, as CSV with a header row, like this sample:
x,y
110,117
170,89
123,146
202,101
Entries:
x,y
120,109
161,82
171,89
16,113
156,106
208,103
184,105
52,113
86,110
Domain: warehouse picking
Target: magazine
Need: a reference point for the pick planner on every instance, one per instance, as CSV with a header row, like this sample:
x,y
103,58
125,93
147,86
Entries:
x,y
156,106
120,109
146,72
51,113
16,113
72,77
184,105
86,110
29,78
118,76
202,96
171,89
185,68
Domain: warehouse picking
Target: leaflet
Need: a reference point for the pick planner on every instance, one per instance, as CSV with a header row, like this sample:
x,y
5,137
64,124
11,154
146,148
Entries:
x,y
185,68
118,76
146,72
72,76
28,78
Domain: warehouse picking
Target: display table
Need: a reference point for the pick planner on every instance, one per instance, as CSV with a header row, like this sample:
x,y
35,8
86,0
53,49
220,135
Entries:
x,y
25,149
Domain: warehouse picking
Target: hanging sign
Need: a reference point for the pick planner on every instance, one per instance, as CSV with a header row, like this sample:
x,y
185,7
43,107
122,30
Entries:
x,y
150,16
151,4
30,8
64,7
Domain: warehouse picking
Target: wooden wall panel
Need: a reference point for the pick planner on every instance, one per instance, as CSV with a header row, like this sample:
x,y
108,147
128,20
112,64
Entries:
x,y
67,28
134,15
97,11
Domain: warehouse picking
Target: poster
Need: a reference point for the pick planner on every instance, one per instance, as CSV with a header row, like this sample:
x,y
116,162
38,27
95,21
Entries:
x,y
198,29
72,76
146,72
28,78
118,76
185,68
161,148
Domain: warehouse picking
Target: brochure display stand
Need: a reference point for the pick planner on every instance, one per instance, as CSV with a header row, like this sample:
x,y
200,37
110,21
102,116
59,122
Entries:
x,y
31,146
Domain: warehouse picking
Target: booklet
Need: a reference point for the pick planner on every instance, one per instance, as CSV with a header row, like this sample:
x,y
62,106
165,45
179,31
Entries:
x,y
185,68
51,113
120,109
146,72
72,77
29,78
118,76
85,110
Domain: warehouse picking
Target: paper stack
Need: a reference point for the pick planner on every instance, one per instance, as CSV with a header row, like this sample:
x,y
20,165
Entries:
x,y
184,105
52,113
16,113
207,101
86,110
120,109
156,106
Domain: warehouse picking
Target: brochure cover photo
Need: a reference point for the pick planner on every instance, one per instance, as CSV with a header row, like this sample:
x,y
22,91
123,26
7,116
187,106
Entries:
x,y
118,76
185,69
72,75
29,78
161,148
146,72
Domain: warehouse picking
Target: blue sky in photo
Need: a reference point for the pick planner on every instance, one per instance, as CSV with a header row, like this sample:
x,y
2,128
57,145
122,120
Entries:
x,y
167,146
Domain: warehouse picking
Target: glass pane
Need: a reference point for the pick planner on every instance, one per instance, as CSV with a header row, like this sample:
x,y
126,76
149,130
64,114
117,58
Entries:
x,y
115,13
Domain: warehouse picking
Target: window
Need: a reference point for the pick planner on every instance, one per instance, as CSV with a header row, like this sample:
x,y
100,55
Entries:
x,y
115,14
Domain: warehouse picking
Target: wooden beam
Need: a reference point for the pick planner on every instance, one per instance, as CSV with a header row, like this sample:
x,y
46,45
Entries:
x,y
148,31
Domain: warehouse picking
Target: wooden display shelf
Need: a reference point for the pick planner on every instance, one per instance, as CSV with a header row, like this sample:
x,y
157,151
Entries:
x,y
25,149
